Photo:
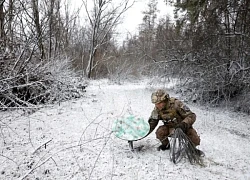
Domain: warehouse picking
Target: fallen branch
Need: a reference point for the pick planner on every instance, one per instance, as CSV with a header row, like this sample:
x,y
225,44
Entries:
x,y
38,164
36,167
44,144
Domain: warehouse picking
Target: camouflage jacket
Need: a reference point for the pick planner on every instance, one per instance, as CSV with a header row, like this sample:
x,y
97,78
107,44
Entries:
x,y
173,113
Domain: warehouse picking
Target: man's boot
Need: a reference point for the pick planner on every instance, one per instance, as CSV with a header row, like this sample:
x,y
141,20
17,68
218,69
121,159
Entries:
x,y
163,147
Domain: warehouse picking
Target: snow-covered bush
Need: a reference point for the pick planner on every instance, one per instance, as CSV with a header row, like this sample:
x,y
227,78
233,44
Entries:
x,y
47,82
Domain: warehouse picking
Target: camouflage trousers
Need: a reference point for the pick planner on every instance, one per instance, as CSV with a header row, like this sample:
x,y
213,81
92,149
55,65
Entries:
x,y
163,132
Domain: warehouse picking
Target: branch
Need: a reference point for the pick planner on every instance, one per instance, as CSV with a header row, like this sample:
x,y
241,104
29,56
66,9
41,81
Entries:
x,y
44,144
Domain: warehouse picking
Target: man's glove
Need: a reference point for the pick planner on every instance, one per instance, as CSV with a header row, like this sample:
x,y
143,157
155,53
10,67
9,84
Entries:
x,y
184,126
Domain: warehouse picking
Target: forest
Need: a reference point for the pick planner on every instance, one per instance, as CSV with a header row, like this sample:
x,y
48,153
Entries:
x,y
48,51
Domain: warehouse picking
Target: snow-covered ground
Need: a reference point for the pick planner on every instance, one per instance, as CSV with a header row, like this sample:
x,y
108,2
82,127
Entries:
x,y
74,140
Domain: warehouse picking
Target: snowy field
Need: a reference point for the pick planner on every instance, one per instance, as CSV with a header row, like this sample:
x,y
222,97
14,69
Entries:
x,y
74,140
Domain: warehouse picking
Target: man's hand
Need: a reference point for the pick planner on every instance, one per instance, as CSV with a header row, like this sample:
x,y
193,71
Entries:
x,y
184,126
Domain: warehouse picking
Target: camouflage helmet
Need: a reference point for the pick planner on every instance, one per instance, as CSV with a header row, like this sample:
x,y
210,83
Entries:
x,y
159,96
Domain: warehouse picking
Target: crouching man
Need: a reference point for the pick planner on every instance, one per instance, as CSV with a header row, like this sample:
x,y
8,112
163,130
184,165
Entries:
x,y
174,114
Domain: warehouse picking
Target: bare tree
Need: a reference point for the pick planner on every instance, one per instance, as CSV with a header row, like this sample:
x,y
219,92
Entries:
x,y
51,23
38,27
215,36
103,19
2,33
31,33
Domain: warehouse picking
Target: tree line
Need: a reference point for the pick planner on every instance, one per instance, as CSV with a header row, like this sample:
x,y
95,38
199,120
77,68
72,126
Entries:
x,y
44,43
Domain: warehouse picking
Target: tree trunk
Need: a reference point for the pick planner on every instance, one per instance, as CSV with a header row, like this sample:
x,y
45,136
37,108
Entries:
x,y
10,39
51,21
38,27
2,33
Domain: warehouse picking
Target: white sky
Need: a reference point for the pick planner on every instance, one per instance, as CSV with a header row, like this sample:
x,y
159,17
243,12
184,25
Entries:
x,y
133,17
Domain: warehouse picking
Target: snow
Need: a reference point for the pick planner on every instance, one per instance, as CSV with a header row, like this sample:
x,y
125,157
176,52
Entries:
x,y
80,143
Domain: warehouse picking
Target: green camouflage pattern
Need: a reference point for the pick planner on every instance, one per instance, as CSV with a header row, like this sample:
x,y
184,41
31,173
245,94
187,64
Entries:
x,y
130,128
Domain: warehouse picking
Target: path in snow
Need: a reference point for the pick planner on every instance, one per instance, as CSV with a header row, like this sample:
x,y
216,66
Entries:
x,y
80,143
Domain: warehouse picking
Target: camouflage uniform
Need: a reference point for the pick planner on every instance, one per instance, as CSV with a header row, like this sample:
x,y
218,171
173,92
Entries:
x,y
173,113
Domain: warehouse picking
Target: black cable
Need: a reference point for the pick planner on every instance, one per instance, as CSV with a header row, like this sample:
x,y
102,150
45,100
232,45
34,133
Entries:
x,y
181,146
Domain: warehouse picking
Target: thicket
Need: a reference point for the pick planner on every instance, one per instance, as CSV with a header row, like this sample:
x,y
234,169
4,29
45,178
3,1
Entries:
x,y
206,47
46,54
216,34
34,68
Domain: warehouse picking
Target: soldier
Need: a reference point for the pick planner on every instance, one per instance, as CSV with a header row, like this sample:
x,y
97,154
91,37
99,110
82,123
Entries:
x,y
174,114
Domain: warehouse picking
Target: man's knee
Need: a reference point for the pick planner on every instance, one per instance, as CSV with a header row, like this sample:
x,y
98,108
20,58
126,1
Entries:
x,y
193,136
162,132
